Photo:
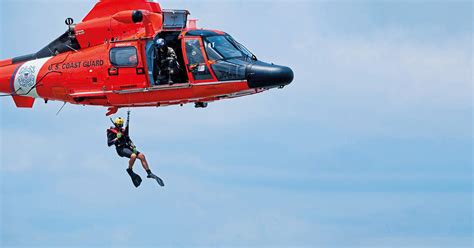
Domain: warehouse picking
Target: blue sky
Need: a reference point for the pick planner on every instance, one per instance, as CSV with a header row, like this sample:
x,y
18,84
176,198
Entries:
x,y
371,146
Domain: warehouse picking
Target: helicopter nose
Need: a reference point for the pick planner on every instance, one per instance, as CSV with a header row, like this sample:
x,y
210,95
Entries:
x,y
263,75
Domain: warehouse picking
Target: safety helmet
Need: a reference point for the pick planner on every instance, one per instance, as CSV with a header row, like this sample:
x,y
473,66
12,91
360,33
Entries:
x,y
118,121
160,42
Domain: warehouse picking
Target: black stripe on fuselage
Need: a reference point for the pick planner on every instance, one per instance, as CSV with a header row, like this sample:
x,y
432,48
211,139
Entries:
x,y
24,58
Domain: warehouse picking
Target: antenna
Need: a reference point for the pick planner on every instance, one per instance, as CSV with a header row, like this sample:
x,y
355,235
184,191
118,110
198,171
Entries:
x,y
59,111
70,23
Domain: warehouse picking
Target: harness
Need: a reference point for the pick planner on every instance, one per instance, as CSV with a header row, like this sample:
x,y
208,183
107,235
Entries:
x,y
114,130
124,141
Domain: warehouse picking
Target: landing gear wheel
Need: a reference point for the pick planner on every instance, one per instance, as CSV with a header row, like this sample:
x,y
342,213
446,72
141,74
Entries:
x,y
200,105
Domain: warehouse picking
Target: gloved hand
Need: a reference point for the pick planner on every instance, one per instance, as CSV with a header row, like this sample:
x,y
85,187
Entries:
x,y
135,150
119,135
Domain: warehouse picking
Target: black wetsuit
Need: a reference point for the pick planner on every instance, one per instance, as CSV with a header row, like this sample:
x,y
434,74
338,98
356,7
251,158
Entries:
x,y
124,145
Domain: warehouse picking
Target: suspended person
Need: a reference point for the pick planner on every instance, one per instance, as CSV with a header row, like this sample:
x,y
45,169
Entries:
x,y
119,137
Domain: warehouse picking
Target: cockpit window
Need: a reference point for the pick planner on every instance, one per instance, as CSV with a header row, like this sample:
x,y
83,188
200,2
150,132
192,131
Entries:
x,y
223,47
230,57
212,54
196,61
241,47
193,50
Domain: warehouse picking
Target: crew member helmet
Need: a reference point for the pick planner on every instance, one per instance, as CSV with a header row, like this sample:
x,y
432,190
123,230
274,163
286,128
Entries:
x,y
160,43
118,121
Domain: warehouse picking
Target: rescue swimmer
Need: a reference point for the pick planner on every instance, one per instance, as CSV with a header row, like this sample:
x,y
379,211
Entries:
x,y
119,136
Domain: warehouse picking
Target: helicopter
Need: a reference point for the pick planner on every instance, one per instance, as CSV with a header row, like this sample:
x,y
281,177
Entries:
x,y
109,59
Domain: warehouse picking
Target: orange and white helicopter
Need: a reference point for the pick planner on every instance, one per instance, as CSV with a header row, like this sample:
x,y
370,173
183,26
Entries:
x,y
110,59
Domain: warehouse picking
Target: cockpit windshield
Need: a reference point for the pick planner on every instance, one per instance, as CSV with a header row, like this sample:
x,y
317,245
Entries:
x,y
242,48
224,47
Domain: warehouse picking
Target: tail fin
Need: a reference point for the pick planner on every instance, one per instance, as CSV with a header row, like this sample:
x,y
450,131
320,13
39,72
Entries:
x,y
23,101
105,8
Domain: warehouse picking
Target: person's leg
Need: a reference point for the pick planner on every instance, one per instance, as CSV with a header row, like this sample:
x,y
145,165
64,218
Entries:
x,y
125,152
169,76
142,158
131,162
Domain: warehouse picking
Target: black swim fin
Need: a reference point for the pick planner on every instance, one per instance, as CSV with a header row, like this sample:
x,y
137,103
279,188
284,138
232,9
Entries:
x,y
136,179
158,180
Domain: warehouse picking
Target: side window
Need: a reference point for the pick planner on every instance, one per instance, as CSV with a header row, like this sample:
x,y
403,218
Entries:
x,y
197,63
124,56
193,50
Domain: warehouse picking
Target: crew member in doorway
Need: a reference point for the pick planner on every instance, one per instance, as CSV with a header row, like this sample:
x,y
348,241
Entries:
x,y
166,64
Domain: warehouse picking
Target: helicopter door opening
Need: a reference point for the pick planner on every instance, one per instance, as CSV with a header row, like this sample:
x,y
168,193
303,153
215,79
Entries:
x,y
196,61
152,60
